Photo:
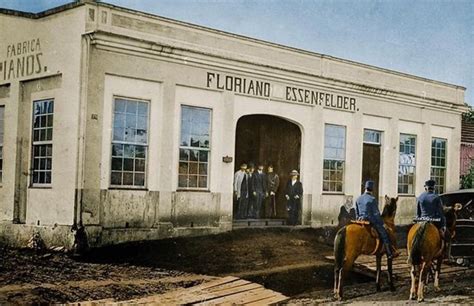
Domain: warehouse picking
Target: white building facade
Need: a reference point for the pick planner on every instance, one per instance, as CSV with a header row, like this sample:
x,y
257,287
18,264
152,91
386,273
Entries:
x,y
132,125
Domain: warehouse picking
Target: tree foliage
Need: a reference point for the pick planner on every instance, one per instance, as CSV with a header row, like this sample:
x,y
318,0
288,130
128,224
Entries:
x,y
467,180
469,115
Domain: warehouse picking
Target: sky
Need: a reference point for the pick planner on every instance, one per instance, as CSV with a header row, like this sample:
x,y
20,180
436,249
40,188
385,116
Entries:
x,y
428,38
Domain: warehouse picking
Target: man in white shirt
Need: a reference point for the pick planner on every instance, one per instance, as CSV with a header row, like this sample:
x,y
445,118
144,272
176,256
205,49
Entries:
x,y
241,191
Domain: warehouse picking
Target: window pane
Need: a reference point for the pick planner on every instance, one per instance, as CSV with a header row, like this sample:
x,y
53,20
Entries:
x,y
140,165
193,181
116,178
139,179
128,178
117,163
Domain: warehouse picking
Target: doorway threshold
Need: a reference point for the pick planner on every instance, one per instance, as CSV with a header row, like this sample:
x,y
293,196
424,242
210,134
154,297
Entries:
x,y
261,223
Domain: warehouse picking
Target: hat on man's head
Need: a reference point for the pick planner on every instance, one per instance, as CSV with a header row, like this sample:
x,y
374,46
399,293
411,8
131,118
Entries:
x,y
294,172
251,165
430,183
369,185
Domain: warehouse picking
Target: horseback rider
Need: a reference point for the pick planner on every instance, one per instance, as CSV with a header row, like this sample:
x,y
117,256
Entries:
x,y
367,209
429,207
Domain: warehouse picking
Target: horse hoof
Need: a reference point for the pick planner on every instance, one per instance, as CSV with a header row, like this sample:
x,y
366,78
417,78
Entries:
x,y
420,300
437,289
392,288
378,289
412,297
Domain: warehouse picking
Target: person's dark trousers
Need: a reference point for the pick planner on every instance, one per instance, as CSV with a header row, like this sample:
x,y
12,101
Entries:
x,y
382,232
293,212
242,210
252,206
270,205
258,204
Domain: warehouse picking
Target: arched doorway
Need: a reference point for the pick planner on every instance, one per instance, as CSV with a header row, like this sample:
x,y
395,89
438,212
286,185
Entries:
x,y
269,140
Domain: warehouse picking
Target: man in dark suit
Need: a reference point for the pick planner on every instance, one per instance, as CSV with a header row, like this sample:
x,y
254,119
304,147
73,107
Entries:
x,y
273,181
259,182
293,195
251,191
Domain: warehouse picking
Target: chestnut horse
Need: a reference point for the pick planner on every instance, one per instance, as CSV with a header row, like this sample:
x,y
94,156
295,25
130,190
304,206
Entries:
x,y
424,247
355,239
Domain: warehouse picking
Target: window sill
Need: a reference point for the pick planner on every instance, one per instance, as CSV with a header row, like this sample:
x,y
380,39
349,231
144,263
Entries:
x,y
193,190
332,193
41,187
404,195
128,188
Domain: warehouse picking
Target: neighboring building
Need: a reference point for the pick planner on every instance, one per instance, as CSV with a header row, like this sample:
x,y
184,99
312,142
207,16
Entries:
x,y
467,146
133,125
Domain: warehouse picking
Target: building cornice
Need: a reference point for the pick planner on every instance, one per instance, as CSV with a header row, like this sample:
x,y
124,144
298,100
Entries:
x,y
119,43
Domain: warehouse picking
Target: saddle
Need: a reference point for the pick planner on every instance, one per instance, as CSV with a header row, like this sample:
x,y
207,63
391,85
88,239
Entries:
x,y
365,223
373,233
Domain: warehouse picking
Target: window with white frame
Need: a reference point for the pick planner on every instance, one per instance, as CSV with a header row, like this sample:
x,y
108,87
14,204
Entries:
x,y
407,164
2,115
129,143
42,157
438,163
334,157
195,148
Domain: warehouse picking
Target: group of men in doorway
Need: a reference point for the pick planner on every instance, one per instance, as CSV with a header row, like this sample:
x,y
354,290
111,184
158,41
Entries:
x,y
256,193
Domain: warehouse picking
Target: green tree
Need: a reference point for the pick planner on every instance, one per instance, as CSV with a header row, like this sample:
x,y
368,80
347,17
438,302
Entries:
x,y
469,115
467,180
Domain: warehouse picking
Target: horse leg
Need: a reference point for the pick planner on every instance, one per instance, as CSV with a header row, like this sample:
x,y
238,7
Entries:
x,y
439,261
421,283
336,281
378,258
390,273
413,282
342,274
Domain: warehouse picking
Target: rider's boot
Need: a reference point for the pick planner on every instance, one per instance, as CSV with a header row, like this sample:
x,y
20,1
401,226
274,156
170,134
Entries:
x,y
388,250
395,252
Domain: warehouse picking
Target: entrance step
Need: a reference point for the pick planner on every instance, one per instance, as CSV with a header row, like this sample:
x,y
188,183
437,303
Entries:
x,y
259,223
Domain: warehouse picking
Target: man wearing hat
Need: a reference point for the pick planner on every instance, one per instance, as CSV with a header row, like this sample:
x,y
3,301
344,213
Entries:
x,y
293,194
367,209
429,207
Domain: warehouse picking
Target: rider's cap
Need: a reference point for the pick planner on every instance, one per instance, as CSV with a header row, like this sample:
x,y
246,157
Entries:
x,y
430,183
369,185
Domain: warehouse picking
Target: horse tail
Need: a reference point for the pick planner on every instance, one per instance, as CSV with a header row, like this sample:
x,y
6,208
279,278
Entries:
x,y
339,248
414,257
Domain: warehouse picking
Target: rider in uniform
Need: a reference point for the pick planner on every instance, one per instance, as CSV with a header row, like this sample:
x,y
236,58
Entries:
x,y
367,209
429,207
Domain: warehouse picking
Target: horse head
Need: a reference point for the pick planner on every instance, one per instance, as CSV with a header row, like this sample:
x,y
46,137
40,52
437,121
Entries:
x,y
389,208
450,213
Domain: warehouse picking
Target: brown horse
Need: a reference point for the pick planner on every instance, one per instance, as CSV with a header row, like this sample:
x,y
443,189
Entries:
x,y
424,247
355,239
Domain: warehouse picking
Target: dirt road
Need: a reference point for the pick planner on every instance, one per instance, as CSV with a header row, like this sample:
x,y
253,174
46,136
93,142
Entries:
x,y
285,260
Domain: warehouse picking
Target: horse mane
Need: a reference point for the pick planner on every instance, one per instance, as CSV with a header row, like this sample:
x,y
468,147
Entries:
x,y
414,257
389,208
